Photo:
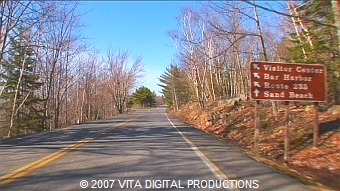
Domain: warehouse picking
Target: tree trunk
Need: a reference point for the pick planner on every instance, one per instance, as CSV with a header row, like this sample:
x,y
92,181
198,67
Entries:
x,y
175,98
299,35
15,97
336,9
82,105
274,105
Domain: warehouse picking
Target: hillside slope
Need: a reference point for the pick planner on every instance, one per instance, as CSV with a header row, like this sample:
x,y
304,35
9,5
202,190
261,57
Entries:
x,y
234,123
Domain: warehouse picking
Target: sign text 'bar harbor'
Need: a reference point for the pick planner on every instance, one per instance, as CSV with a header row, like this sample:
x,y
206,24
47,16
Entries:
x,y
287,81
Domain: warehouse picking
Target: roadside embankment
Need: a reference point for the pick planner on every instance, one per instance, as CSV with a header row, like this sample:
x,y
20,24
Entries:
x,y
233,122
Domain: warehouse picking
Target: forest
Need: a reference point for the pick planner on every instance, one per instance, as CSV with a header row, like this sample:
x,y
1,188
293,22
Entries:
x,y
50,77
217,41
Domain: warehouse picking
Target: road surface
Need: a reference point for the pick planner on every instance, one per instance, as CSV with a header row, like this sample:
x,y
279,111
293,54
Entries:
x,y
144,150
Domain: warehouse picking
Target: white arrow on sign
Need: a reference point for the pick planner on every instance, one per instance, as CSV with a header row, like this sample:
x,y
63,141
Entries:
x,y
256,75
256,92
256,66
257,84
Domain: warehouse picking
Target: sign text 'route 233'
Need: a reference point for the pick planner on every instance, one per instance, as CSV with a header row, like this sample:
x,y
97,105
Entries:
x,y
287,81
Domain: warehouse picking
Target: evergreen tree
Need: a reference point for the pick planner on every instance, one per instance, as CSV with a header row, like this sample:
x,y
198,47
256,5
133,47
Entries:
x,y
143,97
175,87
318,43
20,105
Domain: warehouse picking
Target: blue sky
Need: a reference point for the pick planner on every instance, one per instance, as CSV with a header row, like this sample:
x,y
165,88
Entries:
x,y
138,26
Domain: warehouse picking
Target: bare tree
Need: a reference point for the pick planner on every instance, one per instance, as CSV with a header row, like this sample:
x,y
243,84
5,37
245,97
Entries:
x,y
187,40
15,14
60,41
121,77
217,42
19,21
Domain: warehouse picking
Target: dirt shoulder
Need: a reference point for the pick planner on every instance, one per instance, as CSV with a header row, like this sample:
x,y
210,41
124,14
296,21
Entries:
x,y
318,167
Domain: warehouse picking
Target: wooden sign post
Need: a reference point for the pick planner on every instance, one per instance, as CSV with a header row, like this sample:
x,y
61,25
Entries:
x,y
287,123
278,81
316,124
257,128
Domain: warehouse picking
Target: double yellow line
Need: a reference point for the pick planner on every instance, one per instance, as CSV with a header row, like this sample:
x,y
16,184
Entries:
x,y
22,171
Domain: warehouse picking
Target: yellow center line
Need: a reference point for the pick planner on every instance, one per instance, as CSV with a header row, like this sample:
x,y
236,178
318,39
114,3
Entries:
x,y
24,170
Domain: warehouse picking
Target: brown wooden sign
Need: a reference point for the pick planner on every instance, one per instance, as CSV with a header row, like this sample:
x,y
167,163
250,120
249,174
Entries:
x,y
287,81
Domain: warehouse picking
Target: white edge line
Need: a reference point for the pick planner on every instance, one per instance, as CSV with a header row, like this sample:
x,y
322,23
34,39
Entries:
x,y
212,167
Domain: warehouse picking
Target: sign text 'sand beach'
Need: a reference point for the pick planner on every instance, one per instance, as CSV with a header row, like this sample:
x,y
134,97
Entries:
x,y
287,82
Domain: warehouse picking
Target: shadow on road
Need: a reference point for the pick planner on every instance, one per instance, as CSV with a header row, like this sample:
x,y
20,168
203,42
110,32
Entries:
x,y
147,149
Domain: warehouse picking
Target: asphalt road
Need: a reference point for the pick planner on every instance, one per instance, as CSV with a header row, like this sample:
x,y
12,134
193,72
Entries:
x,y
144,150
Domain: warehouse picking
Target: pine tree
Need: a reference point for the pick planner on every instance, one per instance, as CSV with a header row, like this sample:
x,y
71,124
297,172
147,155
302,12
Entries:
x,y
175,87
318,44
20,105
143,97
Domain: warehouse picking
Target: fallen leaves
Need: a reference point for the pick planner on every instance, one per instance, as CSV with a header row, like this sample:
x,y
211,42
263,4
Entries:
x,y
319,163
